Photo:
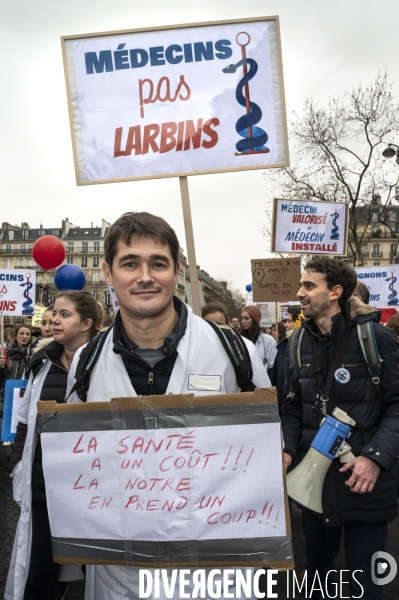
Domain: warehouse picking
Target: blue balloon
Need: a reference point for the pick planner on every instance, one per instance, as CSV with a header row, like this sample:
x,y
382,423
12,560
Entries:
x,y
249,287
69,277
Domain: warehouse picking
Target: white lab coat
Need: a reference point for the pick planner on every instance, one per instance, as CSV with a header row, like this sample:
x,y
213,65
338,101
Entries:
x,y
266,348
199,352
22,474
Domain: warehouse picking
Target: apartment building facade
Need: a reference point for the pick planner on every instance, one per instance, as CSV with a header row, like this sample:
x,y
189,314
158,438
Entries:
x,y
84,247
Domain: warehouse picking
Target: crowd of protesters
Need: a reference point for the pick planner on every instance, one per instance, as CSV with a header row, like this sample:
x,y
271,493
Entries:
x,y
146,338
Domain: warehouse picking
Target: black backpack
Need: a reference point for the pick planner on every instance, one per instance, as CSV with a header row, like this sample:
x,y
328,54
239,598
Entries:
x,y
233,344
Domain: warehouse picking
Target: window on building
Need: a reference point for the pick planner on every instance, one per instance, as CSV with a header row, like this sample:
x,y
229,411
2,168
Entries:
x,y
7,263
25,234
85,246
393,249
42,232
21,262
107,297
70,246
96,246
96,261
374,216
376,250
23,249
11,234
56,232
30,248
8,248
96,277
95,294
30,262
84,261
70,260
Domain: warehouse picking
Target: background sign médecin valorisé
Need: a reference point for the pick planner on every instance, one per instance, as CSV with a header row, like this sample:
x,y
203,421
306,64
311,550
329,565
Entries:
x,y
309,227
275,279
180,100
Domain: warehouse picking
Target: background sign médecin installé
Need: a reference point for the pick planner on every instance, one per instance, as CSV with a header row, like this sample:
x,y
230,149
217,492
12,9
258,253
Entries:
x,y
181,100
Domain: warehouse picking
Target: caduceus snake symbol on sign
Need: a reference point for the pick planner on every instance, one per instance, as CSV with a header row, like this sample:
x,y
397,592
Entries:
x,y
27,305
255,138
334,230
392,299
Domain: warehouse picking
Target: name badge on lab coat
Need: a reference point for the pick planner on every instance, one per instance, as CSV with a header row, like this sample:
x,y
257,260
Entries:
x,y
205,383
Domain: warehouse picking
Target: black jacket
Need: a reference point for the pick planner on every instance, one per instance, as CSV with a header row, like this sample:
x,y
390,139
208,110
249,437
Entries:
x,y
146,380
376,434
277,376
54,388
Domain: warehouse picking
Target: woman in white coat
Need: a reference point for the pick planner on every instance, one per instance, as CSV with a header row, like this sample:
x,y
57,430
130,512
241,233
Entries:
x,y
76,318
250,329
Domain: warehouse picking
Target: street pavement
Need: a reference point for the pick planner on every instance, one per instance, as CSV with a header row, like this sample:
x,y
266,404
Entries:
x,y
10,513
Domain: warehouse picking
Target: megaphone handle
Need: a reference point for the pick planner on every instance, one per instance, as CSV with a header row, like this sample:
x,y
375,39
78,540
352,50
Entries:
x,y
345,453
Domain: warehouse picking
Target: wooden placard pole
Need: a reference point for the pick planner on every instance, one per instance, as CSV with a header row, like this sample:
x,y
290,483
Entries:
x,y
2,336
192,262
277,338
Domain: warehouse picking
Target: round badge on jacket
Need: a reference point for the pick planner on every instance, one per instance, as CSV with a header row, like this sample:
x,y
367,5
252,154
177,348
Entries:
x,y
342,375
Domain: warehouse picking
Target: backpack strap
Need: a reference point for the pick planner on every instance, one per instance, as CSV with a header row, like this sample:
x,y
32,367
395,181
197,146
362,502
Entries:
x,y
295,363
294,351
87,361
238,354
368,344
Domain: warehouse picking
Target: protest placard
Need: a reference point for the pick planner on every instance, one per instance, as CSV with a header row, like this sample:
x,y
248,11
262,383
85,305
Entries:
x,y
309,227
176,100
167,481
38,315
268,313
275,279
381,283
14,390
17,292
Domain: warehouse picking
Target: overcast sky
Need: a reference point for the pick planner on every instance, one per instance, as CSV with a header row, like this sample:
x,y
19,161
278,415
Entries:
x,y
327,47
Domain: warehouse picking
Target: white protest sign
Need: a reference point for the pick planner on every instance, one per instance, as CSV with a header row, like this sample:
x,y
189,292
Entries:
x,y
209,483
382,284
268,313
175,101
302,227
17,292
164,476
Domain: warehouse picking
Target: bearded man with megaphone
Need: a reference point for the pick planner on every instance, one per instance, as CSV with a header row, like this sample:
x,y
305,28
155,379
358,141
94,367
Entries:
x,y
329,367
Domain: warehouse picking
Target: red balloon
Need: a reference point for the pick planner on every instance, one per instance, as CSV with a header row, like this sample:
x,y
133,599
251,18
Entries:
x,y
49,252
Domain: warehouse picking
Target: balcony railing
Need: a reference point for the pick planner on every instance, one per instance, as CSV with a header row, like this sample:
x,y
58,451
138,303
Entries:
x,y
27,251
78,249
377,255
378,235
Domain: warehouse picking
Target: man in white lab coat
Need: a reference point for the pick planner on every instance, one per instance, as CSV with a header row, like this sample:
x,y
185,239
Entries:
x,y
157,346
